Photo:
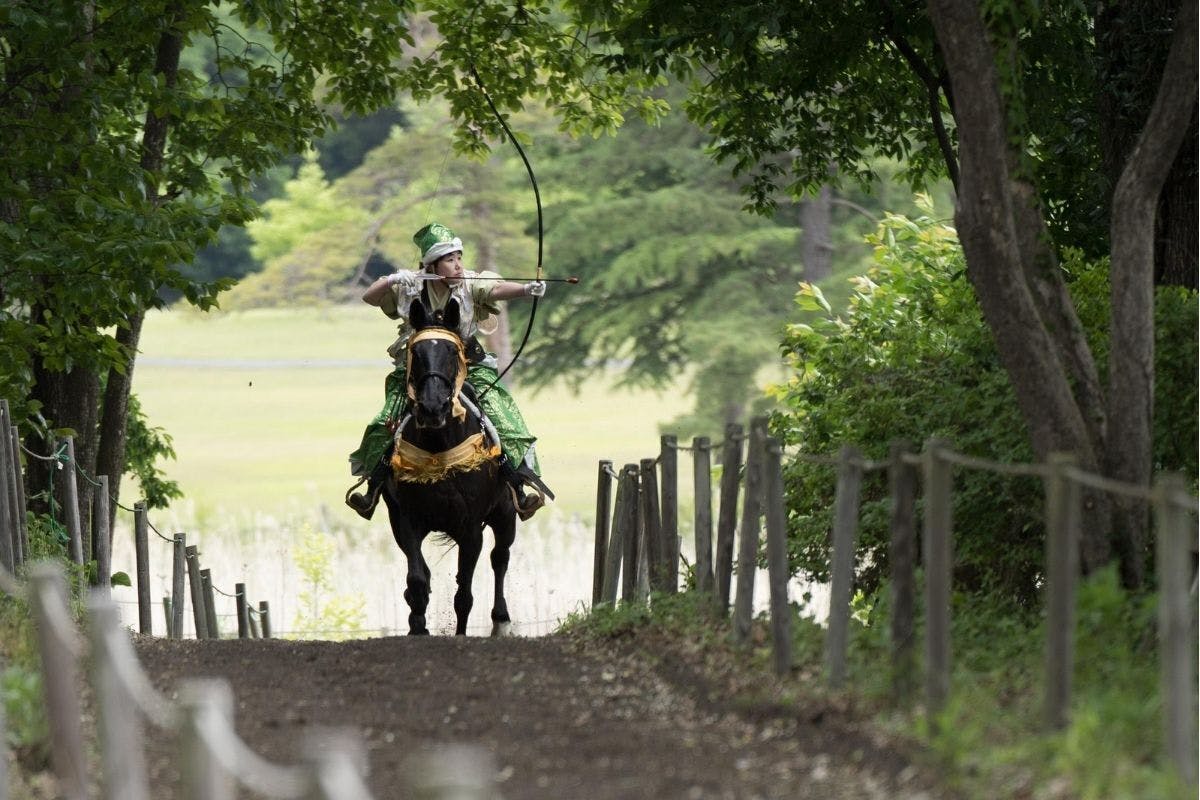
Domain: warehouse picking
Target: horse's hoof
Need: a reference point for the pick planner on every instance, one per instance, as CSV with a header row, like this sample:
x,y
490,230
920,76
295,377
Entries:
x,y
422,632
501,628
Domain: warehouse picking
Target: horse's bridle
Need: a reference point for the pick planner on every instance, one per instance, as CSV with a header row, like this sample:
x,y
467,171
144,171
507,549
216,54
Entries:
x,y
460,375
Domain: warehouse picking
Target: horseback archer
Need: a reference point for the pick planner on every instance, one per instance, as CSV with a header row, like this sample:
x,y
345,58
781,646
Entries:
x,y
441,278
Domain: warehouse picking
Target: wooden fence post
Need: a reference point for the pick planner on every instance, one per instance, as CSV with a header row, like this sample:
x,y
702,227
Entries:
x,y
168,616
647,547
57,644
71,504
845,534
939,563
617,540
121,742
8,531
629,568
657,549
21,542
1176,537
338,764
264,613
142,560
902,485
207,704
178,561
102,546
777,560
747,566
243,614
668,463
450,772
702,492
731,466
603,501
210,604
199,617
5,750
1062,569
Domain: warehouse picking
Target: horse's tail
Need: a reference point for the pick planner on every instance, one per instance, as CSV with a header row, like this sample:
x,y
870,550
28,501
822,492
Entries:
x,y
443,539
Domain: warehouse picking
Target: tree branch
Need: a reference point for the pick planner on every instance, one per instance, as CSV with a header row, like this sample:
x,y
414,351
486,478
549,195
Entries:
x,y
934,84
1134,206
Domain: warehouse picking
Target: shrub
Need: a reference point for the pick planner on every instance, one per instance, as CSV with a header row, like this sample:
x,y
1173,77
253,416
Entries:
x,y
911,358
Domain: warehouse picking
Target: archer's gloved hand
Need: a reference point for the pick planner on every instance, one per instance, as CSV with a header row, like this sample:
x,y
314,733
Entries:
x,y
535,288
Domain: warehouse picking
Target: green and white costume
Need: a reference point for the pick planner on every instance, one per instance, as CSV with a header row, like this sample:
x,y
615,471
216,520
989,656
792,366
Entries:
x,y
477,312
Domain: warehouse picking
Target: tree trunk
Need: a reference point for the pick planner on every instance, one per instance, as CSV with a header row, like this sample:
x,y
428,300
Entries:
x,y
1131,356
1132,42
1177,244
994,213
114,418
69,399
816,246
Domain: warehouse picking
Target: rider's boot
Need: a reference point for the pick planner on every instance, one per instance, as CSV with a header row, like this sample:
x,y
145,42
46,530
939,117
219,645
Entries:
x,y
364,502
527,503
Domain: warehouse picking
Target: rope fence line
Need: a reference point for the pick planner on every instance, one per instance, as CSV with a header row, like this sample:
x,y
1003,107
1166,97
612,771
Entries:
x,y
645,525
201,720
1035,470
167,539
59,455
14,548
638,554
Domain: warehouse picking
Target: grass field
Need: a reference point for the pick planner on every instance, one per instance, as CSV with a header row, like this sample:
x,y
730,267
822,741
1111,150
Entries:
x,y
264,407
263,418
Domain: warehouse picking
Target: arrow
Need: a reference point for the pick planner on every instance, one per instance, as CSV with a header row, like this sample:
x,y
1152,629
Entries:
x,y
429,276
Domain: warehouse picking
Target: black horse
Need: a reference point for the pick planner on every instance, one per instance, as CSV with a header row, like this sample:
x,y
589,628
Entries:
x,y
441,416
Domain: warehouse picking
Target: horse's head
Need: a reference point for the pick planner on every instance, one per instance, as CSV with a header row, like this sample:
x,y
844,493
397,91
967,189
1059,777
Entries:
x,y
437,365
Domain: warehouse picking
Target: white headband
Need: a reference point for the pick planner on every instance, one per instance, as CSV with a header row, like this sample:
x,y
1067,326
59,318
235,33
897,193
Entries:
x,y
441,249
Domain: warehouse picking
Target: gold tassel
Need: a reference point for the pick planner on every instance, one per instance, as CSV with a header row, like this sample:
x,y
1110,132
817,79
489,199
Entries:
x,y
411,464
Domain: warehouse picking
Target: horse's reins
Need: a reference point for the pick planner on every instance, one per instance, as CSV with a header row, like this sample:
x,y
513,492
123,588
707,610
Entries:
x,y
416,465
460,375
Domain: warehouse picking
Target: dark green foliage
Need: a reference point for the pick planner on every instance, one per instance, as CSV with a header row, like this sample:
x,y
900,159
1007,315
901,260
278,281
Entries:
x,y
1176,359
345,146
133,132
1176,356
685,610
675,276
788,89
146,447
912,359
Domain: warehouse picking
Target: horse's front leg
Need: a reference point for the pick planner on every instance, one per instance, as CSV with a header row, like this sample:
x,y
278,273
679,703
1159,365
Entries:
x,y
417,592
504,531
469,547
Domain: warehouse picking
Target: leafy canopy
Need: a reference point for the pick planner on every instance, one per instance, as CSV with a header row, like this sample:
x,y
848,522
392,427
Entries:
x,y
911,359
94,223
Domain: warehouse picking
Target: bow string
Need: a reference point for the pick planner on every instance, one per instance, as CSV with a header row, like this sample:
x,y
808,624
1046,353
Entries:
x,y
537,197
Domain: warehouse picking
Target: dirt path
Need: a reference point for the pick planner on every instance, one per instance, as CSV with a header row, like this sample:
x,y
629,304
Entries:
x,y
564,719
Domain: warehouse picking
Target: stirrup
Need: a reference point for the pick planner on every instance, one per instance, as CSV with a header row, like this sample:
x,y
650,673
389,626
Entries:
x,y
360,482
364,504
527,504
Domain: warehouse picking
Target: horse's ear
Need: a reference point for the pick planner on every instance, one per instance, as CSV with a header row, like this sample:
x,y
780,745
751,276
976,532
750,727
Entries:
x,y
418,315
451,316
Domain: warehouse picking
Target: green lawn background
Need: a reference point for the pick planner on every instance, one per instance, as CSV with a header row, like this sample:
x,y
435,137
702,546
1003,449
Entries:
x,y
264,406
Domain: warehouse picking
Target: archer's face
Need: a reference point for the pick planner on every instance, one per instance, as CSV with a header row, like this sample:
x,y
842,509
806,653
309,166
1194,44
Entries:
x,y
450,267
